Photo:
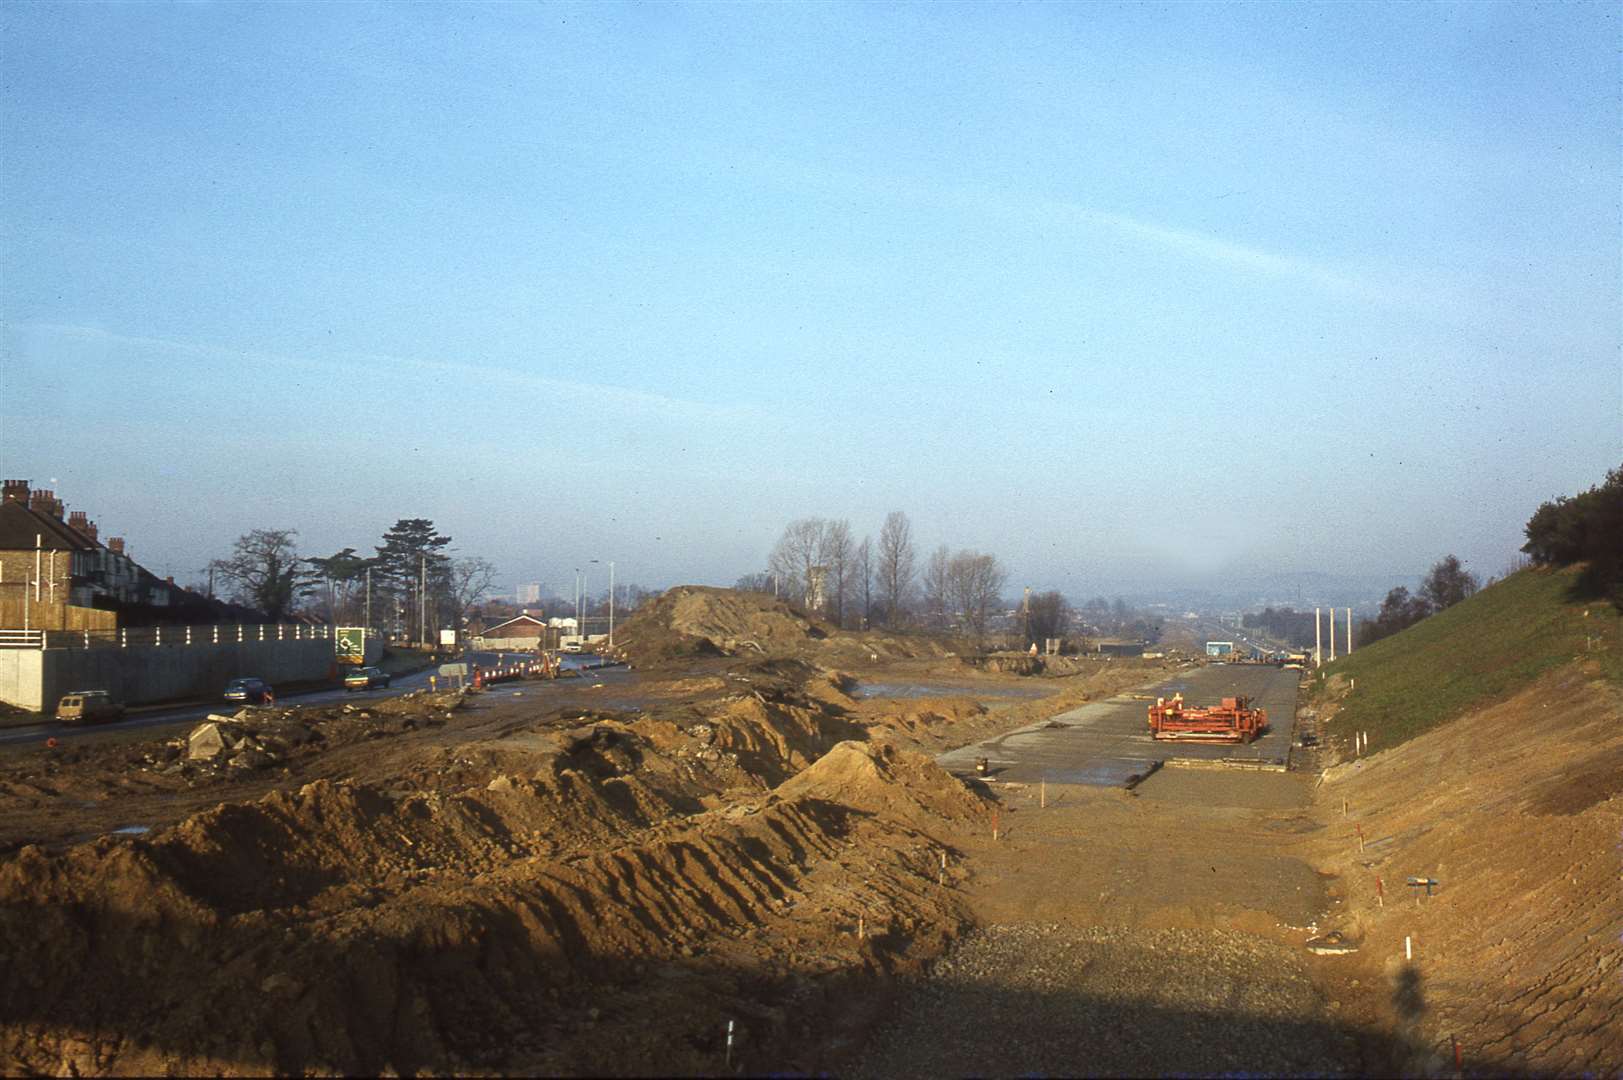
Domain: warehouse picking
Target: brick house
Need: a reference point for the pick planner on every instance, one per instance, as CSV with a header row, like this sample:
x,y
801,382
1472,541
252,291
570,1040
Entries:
x,y
63,562
523,631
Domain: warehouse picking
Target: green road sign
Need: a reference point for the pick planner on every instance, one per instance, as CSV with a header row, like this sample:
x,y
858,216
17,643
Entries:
x,y
350,644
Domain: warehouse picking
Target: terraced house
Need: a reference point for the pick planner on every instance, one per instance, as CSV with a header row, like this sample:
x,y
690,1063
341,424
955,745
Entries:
x,y
56,573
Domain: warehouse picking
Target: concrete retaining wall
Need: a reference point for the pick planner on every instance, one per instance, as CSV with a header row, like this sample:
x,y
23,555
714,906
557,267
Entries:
x,y
35,679
20,677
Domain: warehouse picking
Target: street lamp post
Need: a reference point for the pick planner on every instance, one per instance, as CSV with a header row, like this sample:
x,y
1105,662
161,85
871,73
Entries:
x,y
595,562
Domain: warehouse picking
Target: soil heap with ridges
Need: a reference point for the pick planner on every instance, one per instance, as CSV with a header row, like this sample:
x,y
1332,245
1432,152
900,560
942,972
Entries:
x,y
594,899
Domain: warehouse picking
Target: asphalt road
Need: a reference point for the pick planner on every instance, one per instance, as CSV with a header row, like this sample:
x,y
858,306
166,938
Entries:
x,y
157,716
1107,742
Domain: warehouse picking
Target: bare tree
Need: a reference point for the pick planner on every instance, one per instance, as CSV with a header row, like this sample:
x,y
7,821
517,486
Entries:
x,y
974,582
895,567
796,557
836,556
935,581
862,579
756,583
466,583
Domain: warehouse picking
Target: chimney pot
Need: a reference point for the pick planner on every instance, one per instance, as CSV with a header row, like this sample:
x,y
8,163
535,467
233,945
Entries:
x,y
16,491
77,520
115,544
90,529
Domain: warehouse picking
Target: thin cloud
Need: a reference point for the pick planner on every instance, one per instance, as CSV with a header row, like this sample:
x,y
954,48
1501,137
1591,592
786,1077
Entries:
x,y
346,365
1215,249
1045,212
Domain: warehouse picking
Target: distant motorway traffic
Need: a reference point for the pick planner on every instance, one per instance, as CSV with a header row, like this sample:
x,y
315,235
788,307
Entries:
x,y
159,715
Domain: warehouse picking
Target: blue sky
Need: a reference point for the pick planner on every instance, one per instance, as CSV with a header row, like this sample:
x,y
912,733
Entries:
x,y
1123,294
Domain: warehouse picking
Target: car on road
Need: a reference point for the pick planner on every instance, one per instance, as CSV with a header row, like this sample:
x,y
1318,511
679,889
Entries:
x,y
249,691
88,707
366,678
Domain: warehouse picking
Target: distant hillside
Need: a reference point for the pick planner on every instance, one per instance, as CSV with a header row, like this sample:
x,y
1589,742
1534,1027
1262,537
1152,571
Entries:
x,y
1472,654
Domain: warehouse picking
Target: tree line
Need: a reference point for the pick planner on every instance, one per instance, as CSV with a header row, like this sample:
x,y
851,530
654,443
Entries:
x,y
1282,624
1447,583
886,581
411,583
1586,528
819,564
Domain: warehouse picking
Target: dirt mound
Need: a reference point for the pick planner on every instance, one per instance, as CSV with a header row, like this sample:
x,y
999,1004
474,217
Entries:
x,y
694,620
497,905
883,779
1514,811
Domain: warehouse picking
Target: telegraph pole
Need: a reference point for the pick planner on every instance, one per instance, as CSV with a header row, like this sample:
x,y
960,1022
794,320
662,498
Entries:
x,y
1318,640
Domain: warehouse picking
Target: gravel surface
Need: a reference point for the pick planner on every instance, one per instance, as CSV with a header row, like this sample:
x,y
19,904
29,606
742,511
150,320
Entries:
x,y
1049,1000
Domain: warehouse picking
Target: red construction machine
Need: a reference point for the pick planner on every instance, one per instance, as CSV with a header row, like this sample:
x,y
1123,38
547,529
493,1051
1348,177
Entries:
x,y
1234,721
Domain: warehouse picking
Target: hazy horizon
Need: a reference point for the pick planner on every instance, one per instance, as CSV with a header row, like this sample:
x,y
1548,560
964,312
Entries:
x,y
1125,295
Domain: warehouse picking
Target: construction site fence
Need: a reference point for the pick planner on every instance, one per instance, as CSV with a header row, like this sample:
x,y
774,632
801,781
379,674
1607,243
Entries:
x,y
127,637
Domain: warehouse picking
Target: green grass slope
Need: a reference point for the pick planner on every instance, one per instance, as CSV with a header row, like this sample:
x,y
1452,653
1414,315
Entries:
x,y
1473,654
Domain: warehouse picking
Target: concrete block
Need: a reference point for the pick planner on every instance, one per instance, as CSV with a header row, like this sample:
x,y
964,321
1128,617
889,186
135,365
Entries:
x,y
209,741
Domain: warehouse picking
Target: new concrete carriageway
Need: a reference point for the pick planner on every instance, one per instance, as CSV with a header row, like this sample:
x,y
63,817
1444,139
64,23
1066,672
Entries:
x,y
1108,742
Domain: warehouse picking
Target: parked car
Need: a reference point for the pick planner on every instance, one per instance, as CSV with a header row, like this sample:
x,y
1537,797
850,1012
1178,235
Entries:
x,y
248,691
88,707
366,678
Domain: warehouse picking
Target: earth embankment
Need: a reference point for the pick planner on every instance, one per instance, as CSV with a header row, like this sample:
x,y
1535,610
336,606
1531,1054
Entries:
x,y
1513,813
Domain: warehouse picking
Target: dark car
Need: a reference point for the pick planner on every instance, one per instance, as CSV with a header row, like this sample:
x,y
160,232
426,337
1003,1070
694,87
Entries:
x,y
88,706
248,691
366,678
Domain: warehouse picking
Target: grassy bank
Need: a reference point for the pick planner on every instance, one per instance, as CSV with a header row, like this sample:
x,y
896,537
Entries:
x,y
1473,654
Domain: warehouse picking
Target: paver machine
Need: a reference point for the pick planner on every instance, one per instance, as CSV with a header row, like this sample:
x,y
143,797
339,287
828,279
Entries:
x,y
1234,721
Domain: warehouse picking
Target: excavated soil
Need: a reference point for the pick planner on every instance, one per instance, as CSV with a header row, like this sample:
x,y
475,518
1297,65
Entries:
x,y
490,884
694,621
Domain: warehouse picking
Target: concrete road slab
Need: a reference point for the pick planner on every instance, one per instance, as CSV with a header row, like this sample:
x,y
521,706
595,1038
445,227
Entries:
x,y
1108,743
